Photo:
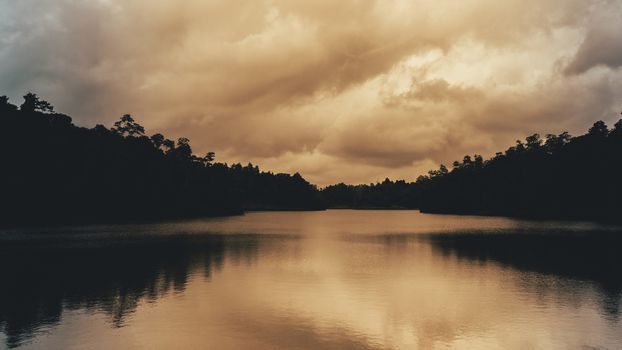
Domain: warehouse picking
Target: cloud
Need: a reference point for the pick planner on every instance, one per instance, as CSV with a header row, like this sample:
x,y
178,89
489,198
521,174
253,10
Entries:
x,y
602,45
340,91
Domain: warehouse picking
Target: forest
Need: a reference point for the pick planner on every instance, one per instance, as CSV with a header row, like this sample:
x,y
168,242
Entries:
x,y
54,172
558,176
382,195
555,177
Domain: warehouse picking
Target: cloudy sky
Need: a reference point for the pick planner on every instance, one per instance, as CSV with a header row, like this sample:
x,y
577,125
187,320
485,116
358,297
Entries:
x,y
348,90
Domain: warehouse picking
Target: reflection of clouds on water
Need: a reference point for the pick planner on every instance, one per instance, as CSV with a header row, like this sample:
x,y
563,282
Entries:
x,y
407,295
560,268
298,332
40,280
330,280
578,258
573,261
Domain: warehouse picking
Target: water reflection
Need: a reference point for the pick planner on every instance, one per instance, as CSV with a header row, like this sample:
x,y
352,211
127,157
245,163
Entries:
x,y
326,280
577,256
42,277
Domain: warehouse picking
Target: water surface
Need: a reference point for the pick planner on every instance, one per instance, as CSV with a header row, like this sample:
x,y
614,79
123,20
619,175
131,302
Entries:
x,y
338,279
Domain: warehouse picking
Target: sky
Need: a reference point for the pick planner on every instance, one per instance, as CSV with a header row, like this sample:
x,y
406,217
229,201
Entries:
x,y
341,91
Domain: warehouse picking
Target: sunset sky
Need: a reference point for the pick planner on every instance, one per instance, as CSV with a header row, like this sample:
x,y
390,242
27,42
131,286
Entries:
x,y
347,90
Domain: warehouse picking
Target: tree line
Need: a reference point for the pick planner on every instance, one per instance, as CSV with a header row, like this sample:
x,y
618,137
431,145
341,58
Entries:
x,y
56,172
556,176
382,195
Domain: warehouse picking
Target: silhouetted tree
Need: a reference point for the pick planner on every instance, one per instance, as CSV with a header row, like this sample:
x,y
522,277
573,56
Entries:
x,y
599,129
183,149
617,129
209,158
126,126
158,140
554,143
33,103
478,161
6,106
533,142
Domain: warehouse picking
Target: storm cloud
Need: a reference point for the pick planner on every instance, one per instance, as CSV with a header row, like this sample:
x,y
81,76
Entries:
x,y
349,91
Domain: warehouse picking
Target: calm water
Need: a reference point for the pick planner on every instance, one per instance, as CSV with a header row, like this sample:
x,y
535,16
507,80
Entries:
x,y
314,280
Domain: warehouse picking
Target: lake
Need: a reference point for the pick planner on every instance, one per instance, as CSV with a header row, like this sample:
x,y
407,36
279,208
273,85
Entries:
x,y
337,279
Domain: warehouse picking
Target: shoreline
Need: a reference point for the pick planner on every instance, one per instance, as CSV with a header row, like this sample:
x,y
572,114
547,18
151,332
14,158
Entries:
x,y
139,221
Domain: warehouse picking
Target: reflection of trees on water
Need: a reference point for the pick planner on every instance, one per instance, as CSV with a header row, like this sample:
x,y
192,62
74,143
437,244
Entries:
x,y
40,281
579,256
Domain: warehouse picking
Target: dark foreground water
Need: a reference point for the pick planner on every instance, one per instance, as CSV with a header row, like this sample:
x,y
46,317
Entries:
x,y
314,280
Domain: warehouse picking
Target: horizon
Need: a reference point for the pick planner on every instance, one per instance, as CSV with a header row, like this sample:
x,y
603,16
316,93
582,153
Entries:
x,y
393,92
